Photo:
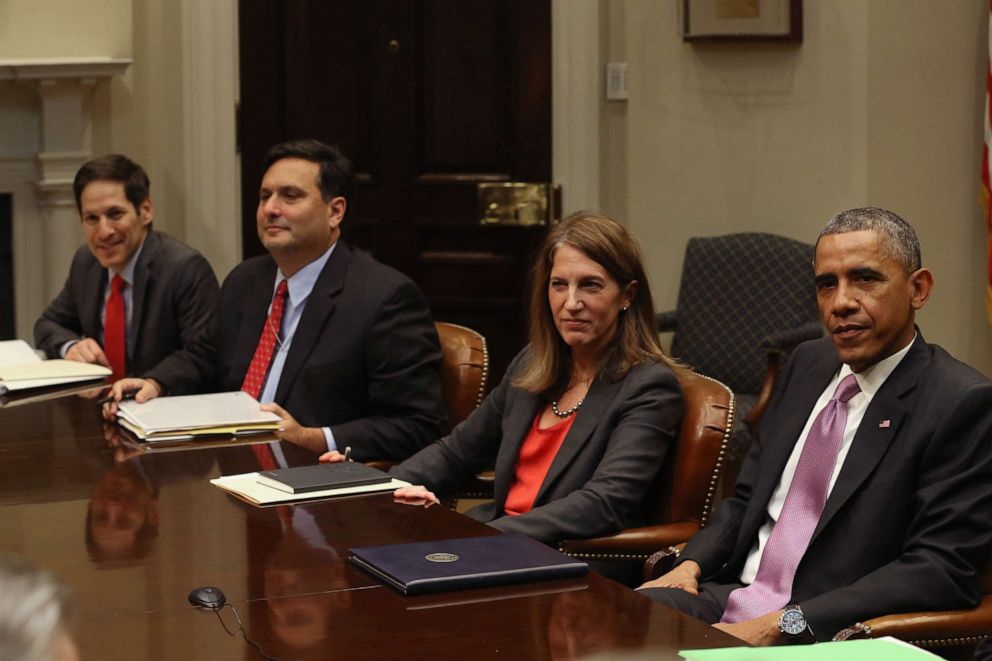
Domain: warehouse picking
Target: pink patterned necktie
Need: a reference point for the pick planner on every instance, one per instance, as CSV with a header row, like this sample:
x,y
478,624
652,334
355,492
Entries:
x,y
259,367
772,586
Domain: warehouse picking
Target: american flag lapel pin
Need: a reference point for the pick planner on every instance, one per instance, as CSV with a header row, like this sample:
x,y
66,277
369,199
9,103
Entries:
x,y
885,424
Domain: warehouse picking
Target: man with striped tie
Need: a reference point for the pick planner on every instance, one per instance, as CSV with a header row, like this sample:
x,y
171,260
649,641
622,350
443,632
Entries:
x,y
867,492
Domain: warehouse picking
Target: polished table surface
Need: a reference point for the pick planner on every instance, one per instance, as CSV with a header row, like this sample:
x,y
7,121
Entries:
x,y
133,531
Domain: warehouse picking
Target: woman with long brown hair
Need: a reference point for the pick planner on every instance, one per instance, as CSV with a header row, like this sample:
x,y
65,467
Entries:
x,y
579,427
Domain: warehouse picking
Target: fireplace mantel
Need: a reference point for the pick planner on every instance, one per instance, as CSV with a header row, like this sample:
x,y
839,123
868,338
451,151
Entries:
x,y
77,68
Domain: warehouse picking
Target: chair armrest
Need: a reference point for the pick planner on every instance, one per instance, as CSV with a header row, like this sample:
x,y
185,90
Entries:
x,y
928,629
785,340
667,321
661,562
630,544
477,486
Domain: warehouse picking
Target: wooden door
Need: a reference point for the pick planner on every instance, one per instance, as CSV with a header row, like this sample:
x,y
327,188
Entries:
x,y
428,98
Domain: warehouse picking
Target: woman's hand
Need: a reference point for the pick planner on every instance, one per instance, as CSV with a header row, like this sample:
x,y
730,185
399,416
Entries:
x,y
311,438
415,495
332,457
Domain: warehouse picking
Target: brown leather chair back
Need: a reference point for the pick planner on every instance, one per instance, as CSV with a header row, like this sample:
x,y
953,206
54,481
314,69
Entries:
x,y
687,486
464,370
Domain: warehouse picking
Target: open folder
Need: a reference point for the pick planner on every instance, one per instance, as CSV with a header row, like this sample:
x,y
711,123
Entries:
x,y
22,369
193,416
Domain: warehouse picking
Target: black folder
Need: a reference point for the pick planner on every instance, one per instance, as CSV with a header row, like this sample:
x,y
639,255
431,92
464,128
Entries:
x,y
319,477
465,562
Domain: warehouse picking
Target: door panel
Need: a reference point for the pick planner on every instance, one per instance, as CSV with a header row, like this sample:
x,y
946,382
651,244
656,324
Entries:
x,y
427,98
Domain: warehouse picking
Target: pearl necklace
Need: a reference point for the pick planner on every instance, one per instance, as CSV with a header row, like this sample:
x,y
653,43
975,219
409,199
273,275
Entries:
x,y
566,412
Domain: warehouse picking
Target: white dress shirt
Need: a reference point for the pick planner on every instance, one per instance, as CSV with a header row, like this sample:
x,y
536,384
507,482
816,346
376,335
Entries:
x,y
870,380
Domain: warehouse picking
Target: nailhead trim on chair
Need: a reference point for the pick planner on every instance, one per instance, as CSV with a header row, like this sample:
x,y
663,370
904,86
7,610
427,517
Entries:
x,y
605,556
862,630
485,361
718,466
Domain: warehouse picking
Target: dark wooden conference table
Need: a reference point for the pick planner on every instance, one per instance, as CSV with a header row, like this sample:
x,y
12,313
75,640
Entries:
x,y
134,531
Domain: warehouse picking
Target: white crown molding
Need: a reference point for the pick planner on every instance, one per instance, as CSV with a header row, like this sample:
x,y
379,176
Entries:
x,y
78,68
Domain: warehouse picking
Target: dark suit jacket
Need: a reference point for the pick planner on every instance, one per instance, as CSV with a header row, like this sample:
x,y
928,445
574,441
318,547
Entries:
x,y
174,295
598,480
365,360
908,524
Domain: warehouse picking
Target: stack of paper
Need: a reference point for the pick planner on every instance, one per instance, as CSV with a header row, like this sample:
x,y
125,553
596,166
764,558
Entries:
x,y
247,487
192,416
21,369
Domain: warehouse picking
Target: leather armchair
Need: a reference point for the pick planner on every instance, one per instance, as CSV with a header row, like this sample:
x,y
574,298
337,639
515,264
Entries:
x,y
955,633
464,371
684,493
745,301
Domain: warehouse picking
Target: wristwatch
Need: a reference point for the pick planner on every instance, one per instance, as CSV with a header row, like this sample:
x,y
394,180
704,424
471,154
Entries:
x,y
793,623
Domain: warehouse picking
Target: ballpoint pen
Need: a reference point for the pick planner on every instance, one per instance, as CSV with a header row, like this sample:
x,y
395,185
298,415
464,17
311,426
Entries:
x,y
347,453
127,394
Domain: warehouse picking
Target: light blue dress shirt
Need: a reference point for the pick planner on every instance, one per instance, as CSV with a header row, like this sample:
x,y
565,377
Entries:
x,y
300,286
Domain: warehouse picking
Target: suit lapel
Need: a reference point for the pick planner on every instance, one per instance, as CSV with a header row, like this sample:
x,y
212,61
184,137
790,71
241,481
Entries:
x,y
591,413
523,408
777,442
872,440
252,312
142,280
96,282
318,309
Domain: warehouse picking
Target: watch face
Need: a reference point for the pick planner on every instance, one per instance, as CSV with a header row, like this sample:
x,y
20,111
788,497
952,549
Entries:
x,y
793,622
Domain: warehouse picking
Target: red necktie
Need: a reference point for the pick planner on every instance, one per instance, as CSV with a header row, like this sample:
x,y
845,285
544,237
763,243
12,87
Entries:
x,y
772,586
115,329
255,377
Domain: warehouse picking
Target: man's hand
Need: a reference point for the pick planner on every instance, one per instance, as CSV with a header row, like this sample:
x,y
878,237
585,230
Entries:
x,y
415,495
332,457
684,577
311,438
762,630
143,389
87,350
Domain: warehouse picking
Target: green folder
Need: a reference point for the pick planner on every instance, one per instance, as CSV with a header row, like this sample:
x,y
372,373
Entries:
x,y
882,649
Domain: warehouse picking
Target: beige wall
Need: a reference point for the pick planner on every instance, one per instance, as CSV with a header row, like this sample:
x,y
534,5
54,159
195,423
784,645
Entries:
x,y
54,28
881,104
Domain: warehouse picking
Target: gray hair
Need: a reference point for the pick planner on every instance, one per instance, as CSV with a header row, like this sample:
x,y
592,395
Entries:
x,y
34,610
898,237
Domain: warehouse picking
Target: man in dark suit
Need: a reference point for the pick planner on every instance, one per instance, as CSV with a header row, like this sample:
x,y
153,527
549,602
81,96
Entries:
x,y
898,517
164,295
345,351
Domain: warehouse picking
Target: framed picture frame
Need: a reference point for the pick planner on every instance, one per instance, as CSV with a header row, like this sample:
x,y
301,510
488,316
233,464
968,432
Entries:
x,y
742,20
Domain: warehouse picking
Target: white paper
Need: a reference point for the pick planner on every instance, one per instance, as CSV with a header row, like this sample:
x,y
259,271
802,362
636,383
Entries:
x,y
246,485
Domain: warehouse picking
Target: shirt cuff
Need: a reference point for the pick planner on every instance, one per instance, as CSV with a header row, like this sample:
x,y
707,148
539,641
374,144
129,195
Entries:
x,y
329,438
64,349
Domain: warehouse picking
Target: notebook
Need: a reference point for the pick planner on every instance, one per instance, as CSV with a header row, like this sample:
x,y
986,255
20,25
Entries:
x,y
466,562
304,479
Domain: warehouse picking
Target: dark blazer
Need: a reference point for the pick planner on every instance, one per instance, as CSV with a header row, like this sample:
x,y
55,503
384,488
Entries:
x,y
908,524
173,298
365,360
598,480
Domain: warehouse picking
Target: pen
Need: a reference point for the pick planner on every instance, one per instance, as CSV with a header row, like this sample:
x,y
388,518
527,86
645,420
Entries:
x,y
347,453
128,394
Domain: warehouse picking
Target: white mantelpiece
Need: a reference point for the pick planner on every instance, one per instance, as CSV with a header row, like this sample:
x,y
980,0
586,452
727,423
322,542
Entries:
x,y
41,259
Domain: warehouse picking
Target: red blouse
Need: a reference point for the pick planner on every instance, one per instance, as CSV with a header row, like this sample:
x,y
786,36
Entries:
x,y
533,462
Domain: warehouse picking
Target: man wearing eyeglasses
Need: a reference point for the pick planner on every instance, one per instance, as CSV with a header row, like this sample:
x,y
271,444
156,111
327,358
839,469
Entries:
x,y
135,300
